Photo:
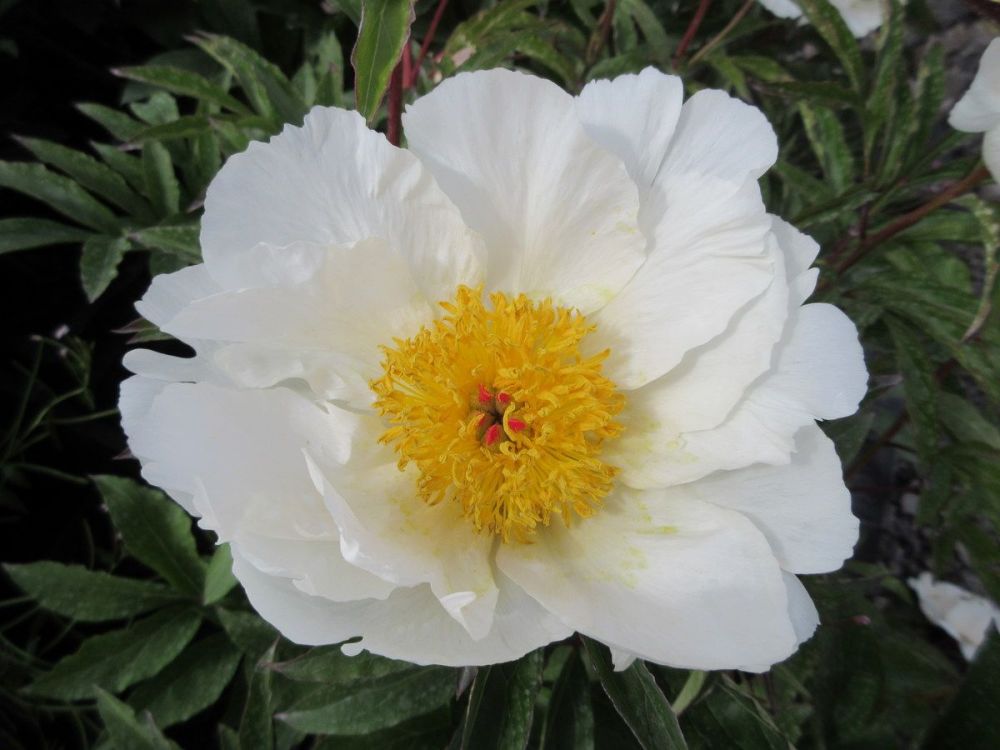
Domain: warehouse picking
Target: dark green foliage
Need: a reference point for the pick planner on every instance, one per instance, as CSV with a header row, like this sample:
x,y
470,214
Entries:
x,y
145,640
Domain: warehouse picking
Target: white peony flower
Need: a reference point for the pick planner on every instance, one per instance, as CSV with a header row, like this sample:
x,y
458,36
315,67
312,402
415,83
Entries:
x,y
861,16
978,111
963,615
548,370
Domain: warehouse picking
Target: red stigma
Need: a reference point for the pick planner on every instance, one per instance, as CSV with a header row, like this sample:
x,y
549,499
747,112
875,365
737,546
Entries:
x,y
484,395
503,397
516,425
492,435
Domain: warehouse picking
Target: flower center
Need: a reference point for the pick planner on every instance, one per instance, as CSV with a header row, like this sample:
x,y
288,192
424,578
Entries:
x,y
501,413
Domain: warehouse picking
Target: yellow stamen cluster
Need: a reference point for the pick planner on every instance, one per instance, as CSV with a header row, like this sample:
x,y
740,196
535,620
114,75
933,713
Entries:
x,y
500,412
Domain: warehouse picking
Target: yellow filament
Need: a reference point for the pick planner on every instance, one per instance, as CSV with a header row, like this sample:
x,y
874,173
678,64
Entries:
x,y
500,412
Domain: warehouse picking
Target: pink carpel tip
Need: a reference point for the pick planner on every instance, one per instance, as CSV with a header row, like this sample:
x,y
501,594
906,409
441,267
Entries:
x,y
492,435
484,395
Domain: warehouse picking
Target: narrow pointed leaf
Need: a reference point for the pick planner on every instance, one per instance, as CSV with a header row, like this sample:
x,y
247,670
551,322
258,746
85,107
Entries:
x,y
24,234
125,730
385,25
61,193
99,263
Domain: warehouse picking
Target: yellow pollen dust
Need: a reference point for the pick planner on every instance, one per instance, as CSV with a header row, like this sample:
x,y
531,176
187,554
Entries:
x,y
500,412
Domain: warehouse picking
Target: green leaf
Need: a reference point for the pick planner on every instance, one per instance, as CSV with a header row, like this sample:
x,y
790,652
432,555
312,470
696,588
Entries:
x,y
128,166
61,193
918,386
125,731
638,700
824,93
192,683
970,720
385,24
119,124
219,578
115,660
247,631
183,82
966,422
155,530
161,182
177,239
849,433
569,721
889,72
88,595
188,126
502,704
24,234
831,26
89,172
269,91
257,726
826,135
329,665
385,703
99,263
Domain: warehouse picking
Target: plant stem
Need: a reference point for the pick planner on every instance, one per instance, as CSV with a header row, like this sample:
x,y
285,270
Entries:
x,y
395,126
601,32
428,40
721,36
908,220
692,29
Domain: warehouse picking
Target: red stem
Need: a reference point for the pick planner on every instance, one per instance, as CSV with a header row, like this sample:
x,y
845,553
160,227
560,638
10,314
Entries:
x,y
692,29
428,40
395,127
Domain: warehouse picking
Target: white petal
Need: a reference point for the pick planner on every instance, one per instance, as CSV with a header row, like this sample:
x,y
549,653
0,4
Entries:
x,y
802,508
170,293
721,136
979,109
419,631
671,579
782,8
964,616
622,660
801,610
800,250
325,329
633,117
388,530
819,373
709,259
861,16
334,182
558,213
409,625
991,152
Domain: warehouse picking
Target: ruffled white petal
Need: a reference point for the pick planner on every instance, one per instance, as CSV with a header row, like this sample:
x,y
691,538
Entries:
x,y
334,182
819,373
324,328
170,293
961,614
409,625
979,108
633,117
708,236
802,508
389,531
801,610
558,212
672,579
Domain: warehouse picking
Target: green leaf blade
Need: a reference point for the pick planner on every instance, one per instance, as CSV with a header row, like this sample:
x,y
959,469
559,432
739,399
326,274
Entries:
x,y
385,25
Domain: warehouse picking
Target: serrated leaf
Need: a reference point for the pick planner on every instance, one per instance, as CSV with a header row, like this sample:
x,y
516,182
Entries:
x,y
88,595
386,703
256,726
269,91
192,682
187,126
155,530
161,182
183,82
569,721
638,700
826,135
125,731
89,172
61,193
119,124
159,108
177,239
121,658
385,24
247,631
329,665
99,263
27,233
502,704
128,166
831,26
219,578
